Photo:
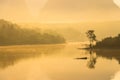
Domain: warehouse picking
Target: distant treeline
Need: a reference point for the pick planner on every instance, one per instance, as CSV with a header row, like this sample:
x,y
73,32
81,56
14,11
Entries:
x,y
109,42
12,34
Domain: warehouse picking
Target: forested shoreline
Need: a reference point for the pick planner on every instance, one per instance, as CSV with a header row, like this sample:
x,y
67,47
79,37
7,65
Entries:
x,y
109,42
13,34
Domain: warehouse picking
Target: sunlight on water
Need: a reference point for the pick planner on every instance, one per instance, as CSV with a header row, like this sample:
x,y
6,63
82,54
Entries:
x,y
35,6
117,76
57,62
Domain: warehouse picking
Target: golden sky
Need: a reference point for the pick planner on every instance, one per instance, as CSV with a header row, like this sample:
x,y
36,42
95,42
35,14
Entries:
x,y
59,10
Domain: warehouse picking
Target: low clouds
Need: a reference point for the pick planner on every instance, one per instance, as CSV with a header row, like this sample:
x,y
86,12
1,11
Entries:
x,y
35,6
60,10
67,5
81,4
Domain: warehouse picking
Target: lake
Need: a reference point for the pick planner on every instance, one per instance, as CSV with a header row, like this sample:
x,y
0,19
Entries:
x,y
58,62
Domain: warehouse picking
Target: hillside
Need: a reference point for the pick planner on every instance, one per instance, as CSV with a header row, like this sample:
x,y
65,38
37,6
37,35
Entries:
x,y
13,34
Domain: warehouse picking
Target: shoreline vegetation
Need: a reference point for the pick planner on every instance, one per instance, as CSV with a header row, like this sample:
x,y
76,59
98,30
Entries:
x,y
13,34
106,43
109,43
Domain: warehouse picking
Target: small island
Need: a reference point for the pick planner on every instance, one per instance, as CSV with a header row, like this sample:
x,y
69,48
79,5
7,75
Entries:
x,y
109,43
106,43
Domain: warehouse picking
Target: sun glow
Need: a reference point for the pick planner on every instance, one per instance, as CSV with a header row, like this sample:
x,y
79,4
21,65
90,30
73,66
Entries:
x,y
117,2
35,6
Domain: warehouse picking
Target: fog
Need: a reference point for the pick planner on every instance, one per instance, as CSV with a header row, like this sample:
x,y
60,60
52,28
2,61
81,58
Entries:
x,y
75,32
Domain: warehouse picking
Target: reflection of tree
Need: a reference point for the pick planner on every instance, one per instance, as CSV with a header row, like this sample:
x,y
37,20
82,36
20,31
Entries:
x,y
106,53
92,38
109,54
10,56
92,60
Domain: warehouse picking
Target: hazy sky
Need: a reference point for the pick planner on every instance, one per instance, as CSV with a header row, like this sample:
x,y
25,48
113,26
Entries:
x,y
59,10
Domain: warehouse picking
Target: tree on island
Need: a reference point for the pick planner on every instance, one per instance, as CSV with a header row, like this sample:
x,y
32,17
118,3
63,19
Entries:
x,y
92,37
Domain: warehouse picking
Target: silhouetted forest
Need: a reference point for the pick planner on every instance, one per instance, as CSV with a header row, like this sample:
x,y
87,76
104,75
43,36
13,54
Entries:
x,y
13,34
109,42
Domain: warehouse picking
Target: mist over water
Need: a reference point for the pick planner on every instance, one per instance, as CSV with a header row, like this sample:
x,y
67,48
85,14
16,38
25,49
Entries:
x,y
75,32
56,62
59,39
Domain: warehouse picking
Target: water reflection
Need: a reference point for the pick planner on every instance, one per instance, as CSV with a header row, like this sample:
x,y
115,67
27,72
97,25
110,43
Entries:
x,y
57,63
109,54
92,58
104,53
11,55
92,61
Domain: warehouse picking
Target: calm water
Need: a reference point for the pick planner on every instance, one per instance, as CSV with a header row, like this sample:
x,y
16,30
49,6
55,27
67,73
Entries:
x,y
58,62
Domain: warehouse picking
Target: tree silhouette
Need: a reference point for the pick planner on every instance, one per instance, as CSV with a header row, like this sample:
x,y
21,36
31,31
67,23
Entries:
x,y
92,37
